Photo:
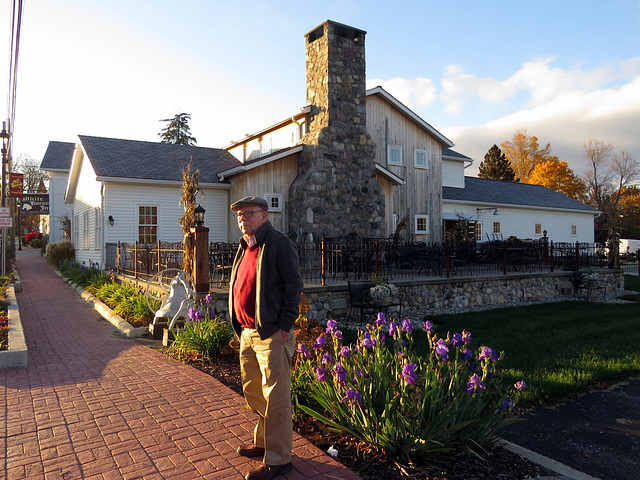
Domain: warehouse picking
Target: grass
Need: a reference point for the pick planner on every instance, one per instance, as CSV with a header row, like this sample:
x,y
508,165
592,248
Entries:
x,y
558,349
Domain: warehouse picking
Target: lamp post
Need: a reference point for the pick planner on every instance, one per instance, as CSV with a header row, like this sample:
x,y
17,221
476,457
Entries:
x,y
5,142
201,252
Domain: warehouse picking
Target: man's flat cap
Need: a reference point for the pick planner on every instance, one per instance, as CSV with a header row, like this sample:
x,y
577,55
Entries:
x,y
246,201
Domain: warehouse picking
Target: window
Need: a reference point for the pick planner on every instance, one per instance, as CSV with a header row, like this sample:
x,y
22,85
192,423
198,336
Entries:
x,y
75,232
420,158
394,155
274,200
537,229
496,227
85,230
574,230
147,224
422,225
97,227
478,232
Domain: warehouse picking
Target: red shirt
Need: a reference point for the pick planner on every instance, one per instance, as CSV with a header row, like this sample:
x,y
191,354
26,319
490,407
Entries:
x,y
244,288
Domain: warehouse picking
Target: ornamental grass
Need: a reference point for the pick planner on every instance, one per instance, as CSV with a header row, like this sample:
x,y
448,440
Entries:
x,y
405,403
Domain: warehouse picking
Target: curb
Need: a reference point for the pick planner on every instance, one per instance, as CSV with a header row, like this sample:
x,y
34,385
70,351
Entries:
x,y
561,469
116,321
17,355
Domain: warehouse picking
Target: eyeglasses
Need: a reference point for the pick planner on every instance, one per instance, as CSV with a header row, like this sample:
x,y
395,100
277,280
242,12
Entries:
x,y
248,214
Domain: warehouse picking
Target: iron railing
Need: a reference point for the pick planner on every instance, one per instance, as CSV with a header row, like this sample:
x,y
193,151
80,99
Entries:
x,y
336,260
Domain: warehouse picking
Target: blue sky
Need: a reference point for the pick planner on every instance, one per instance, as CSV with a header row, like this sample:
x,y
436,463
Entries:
x,y
564,70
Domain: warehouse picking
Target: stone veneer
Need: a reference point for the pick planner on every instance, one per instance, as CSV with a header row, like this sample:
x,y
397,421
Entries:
x,y
336,191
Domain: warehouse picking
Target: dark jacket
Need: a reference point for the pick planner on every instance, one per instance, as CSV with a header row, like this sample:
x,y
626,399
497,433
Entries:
x,y
278,283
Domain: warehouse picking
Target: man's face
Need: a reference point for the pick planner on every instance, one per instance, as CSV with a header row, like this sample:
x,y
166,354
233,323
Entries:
x,y
250,218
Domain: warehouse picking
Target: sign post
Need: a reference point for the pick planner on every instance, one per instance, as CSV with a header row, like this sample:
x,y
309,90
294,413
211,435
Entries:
x,y
5,221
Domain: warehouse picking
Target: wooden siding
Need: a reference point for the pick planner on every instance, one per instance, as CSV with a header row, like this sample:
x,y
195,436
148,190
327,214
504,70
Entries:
x,y
422,192
274,177
520,222
286,136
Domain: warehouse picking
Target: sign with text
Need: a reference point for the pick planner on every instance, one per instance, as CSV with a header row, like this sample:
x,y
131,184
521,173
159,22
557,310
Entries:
x,y
16,182
5,212
34,204
6,222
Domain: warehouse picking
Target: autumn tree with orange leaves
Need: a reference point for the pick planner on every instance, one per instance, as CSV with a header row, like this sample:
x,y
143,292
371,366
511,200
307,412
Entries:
x,y
558,176
524,154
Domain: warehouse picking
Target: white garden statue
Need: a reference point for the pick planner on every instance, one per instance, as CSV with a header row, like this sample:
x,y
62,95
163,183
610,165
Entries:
x,y
181,298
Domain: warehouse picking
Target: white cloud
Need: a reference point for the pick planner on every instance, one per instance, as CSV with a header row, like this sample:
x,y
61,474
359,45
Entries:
x,y
419,92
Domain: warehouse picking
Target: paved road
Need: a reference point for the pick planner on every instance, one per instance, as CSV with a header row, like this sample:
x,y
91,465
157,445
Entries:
x,y
94,405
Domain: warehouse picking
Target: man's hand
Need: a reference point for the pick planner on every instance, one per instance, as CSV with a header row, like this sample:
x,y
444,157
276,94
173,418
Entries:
x,y
285,336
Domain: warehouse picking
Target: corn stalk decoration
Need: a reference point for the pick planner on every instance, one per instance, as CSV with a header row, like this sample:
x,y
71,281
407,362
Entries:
x,y
188,192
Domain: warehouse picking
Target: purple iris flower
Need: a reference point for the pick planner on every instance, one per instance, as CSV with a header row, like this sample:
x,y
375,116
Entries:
x,y
331,325
345,351
381,320
340,373
321,342
488,353
338,334
442,350
408,373
352,397
427,326
321,373
466,355
474,384
466,337
520,386
406,325
507,404
208,298
302,348
456,340
367,341
392,328
327,359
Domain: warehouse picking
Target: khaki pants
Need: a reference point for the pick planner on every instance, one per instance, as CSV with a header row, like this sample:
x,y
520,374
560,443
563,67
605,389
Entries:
x,y
265,366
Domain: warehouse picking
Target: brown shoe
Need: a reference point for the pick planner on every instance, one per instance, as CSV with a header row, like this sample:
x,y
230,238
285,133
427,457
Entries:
x,y
267,472
250,451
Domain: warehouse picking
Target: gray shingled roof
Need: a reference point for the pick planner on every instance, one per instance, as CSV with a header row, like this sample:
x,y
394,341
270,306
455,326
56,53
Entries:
x,y
447,152
112,157
58,156
482,190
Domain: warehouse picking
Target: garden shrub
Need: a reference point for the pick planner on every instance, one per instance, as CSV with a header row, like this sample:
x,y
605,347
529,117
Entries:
x,y
203,334
31,236
404,403
59,252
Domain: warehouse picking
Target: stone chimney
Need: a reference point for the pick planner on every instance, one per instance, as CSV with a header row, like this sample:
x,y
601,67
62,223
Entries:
x,y
336,191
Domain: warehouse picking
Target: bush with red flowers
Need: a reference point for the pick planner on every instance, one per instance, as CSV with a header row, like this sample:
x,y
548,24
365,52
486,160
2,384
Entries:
x,y
29,237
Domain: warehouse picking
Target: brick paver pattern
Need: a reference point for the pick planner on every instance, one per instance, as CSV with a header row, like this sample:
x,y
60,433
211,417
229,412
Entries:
x,y
94,405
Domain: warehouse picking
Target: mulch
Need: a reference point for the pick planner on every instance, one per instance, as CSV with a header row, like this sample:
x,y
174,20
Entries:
x,y
494,463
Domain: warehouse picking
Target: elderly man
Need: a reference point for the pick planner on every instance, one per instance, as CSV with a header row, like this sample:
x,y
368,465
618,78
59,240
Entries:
x,y
264,295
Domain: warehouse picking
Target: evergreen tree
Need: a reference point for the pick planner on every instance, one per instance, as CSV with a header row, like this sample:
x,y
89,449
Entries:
x,y
496,166
178,131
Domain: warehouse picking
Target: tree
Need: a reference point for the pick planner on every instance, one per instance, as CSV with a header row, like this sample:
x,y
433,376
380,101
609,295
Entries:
x,y
630,211
557,176
188,191
524,154
496,166
609,178
30,168
178,131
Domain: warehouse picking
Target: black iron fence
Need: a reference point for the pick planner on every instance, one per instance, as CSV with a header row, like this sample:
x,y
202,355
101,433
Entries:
x,y
350,258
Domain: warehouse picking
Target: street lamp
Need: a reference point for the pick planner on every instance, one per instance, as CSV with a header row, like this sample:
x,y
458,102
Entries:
x,y
5,142
198,215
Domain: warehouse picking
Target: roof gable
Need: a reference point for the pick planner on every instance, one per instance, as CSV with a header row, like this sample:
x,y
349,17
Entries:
x,y
495,192
58,156
133,159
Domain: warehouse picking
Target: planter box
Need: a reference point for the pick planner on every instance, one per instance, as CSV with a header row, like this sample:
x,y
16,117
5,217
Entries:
x,y
17,355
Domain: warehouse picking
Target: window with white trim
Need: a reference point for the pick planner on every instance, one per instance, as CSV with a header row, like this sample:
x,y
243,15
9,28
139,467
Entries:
x,y
420,158
75,231
147,223
496,227
421,225
274,200
574,230
97,227
478,231
394,155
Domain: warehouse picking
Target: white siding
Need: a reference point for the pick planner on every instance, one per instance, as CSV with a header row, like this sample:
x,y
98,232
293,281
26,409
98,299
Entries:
x,y
57,207
520,222
87,199
123,199
452,173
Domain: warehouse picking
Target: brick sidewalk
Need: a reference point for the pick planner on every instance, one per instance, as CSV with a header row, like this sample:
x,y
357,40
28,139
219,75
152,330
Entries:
x,y
94,405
